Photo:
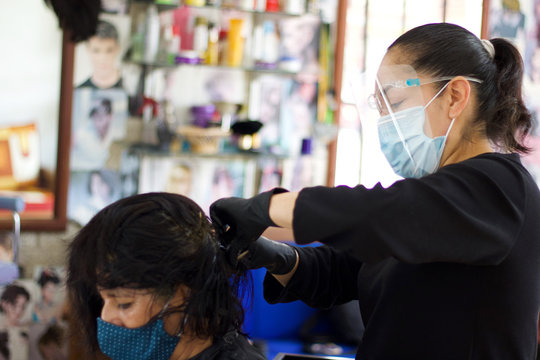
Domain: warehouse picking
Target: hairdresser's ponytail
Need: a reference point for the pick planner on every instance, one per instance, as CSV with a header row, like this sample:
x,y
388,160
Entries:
x,y
511,121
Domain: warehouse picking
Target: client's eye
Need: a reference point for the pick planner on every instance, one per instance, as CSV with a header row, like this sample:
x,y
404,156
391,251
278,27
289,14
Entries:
x,y
124,306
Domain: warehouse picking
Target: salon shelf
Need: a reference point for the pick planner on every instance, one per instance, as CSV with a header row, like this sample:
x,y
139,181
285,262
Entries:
x,y
152,150
166,7
225,67
255,12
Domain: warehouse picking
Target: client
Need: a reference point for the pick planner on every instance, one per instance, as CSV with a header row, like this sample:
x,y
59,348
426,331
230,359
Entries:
x,y
147,279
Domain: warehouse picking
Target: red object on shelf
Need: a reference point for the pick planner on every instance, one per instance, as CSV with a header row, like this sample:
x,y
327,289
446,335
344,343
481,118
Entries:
x,y
272,5
149,102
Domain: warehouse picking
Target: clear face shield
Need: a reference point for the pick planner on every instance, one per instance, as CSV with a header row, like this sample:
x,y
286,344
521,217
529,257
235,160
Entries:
x,y
398,88
411,142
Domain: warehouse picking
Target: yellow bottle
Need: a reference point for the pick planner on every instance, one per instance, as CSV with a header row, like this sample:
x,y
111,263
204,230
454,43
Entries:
x,y
235,43
195,2
212,50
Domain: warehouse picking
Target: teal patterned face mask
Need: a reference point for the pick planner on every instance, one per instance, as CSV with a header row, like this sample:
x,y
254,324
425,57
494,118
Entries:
x,y
149,341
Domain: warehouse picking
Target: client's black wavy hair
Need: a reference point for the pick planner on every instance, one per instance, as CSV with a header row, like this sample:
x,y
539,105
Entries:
x,y
155,241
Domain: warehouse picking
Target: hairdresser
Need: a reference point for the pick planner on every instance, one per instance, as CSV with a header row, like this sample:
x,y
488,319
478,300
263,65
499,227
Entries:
x,y
446,262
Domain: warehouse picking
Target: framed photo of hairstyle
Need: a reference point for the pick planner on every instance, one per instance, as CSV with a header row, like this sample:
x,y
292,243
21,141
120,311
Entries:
x,y
48,330
204,180
99,116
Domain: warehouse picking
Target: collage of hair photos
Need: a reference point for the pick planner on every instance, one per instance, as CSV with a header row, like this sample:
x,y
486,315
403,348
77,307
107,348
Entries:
x,y
33,323
201,179
99,116
101,105
519,22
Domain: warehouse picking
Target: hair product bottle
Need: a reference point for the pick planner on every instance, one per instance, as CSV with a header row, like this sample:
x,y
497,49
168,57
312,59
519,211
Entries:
x,y
151,43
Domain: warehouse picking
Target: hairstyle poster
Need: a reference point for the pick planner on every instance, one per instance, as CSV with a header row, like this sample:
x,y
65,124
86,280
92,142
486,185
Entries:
x,y
519,22
269,174
98,60
99,119
204,180
168,175
91,191
265,99
32,317
15,320
298,114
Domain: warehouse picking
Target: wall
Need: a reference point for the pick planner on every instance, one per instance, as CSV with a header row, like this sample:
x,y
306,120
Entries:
x,y
30,70
30,73
45,248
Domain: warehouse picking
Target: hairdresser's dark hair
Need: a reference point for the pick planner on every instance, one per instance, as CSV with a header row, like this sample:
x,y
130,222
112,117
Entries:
x,y
48,275
11,292
80,17
450,50
155,241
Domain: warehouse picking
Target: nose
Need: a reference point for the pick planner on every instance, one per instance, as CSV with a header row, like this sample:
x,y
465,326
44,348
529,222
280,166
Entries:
x,y
110,314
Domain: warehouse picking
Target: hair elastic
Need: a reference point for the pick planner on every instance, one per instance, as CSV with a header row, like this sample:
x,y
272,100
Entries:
x,y
489,47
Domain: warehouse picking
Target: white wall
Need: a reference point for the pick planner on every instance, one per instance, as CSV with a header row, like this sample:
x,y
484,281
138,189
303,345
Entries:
x,y
30,60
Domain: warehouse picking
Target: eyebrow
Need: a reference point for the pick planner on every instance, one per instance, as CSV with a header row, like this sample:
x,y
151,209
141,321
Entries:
x,y
117,293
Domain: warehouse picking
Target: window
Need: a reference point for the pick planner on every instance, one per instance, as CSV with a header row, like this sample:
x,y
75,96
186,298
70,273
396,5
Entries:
x,y
371,27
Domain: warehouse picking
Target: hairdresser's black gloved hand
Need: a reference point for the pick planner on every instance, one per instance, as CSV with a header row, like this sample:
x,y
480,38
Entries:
x,y
278,258
239,222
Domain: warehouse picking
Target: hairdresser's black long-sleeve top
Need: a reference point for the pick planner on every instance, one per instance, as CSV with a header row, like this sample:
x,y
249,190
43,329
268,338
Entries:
x,y
444,267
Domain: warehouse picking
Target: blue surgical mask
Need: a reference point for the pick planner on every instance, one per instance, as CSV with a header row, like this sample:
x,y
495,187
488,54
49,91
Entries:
x,y
410,152
150,341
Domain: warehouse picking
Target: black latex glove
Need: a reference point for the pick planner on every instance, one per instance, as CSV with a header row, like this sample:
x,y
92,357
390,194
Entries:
x,y
278,258
239,222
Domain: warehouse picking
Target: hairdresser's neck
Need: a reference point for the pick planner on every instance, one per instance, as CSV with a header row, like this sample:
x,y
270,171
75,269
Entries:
x,y
188,347
463,149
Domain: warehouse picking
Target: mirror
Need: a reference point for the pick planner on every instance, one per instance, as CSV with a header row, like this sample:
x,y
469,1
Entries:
x,y
36,88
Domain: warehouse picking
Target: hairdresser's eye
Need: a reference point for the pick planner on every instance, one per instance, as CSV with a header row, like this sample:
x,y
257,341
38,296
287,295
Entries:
x,y
124,306
396,105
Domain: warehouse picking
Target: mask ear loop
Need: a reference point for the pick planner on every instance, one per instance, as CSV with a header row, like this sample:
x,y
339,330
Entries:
x,y
436,95
184,322
160,315
449,128
448,132
426,106
179,333
394,120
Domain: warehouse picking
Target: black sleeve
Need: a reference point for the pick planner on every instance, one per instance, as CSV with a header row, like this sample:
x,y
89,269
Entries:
x,y
324,277
469,212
